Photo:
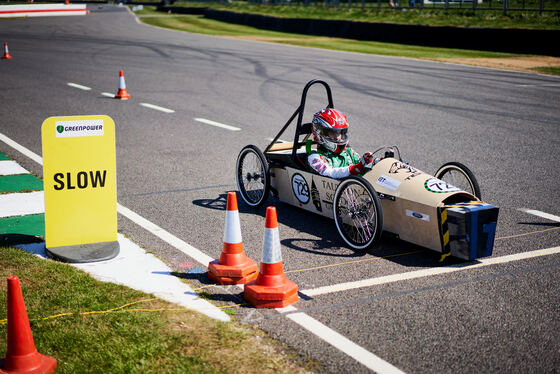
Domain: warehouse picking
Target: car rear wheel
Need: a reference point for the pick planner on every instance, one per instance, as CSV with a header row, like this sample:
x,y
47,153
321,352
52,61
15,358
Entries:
x,y
357,213
459,176
252,175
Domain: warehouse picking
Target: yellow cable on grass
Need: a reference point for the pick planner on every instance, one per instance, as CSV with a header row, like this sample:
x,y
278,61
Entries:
x,y
121,309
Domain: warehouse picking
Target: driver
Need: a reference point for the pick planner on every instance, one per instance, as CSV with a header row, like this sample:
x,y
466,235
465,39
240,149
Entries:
x,y
334,158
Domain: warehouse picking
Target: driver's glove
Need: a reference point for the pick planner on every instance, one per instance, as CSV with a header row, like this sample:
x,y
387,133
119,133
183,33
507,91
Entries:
x,y
364,165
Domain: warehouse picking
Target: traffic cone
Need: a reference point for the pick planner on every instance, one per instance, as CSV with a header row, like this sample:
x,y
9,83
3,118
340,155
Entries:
x,y
6,55
22,356
122,94
233,267
271,289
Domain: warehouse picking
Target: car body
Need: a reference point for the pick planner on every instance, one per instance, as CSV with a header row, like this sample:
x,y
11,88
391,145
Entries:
x,y
393,196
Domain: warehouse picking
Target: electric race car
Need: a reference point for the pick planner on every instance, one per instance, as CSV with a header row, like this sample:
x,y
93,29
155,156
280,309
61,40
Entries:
x,y
442,212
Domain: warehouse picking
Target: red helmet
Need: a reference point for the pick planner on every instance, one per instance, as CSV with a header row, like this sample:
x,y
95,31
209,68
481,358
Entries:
x,y
330,129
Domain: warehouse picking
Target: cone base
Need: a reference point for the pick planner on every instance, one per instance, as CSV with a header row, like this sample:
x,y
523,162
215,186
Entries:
x,y
232,280
122,95
271,297
47,366
6,57
265,303
242,269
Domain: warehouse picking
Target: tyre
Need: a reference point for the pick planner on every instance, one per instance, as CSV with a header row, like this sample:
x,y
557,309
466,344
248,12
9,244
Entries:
x,y
459,176
253,178
357,213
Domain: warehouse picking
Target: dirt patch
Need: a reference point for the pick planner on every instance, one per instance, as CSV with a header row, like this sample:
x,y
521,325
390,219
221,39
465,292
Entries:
x,y
510,63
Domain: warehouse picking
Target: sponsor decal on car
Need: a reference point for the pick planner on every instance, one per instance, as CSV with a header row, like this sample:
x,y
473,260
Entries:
x,y
300,188
398,167
388,182
438,186
423,217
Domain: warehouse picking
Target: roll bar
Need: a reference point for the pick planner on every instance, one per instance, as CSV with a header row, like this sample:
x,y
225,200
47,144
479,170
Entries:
x,y
299,112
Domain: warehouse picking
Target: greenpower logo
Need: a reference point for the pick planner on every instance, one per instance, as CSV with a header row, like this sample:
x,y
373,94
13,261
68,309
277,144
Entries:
x,y
69,129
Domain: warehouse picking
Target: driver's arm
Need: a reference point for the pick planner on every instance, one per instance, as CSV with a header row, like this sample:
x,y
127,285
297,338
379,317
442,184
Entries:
x,y
322,166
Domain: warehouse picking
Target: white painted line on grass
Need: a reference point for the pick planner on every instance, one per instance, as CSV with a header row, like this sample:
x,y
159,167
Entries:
x,y
21,149
140,270
162,109
428,272
76,85
538,213
340,342
217,124
108,94
22,204
309,323
10,167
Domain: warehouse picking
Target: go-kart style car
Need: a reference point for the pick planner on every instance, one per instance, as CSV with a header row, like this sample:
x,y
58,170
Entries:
x,y
441,212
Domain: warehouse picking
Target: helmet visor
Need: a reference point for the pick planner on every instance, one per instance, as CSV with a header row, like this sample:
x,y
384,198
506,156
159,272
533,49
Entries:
x,y
338,136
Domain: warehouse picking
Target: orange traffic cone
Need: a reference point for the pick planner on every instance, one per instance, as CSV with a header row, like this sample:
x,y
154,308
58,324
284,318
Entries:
x,y
6,55
22,356
271,289
233,267
122,94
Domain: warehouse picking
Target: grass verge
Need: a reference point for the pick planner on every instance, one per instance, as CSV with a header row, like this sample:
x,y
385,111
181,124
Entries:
x,y
136,333
199,24
433,15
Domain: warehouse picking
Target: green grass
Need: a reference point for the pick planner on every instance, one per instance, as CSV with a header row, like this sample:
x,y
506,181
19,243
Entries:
x,y
552,70
201,25
464,17
126,341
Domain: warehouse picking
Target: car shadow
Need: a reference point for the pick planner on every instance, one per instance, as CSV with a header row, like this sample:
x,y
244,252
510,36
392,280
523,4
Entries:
x,y
329,243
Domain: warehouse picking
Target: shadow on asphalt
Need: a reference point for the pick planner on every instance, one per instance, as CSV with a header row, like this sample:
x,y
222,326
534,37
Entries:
x,y
329,243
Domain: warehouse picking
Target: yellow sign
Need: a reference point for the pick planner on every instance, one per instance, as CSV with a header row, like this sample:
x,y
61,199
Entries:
x,y
80,181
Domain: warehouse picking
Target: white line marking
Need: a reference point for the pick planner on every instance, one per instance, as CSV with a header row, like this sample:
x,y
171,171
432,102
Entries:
x,y
76,85
539,85
10,167
428,272
162,109
310,324
340,342
21,149
164,235
108,94
538,213
22,204
217,124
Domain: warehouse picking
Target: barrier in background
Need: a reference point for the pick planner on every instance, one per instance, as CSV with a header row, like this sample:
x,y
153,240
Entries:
x,y
477,38
42,10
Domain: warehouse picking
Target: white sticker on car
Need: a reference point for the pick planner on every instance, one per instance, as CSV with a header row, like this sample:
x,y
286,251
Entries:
x,y
423,217
388,182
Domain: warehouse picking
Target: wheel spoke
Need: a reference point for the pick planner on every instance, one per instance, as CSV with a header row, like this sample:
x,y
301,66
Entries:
x,y
357,215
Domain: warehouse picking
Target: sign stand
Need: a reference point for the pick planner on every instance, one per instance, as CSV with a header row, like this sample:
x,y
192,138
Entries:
x,y
80,183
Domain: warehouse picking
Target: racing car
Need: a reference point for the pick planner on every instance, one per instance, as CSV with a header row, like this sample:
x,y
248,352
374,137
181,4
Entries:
x,y
443,212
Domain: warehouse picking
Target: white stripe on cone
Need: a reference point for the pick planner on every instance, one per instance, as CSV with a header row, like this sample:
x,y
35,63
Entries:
x,y
271,248
121,83
232,232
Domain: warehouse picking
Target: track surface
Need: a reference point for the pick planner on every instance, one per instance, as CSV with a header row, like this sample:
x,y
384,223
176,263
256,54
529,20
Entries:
x,y
175,172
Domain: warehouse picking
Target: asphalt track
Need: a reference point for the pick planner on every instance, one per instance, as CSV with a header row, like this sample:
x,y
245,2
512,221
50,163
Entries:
x,y
174,171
